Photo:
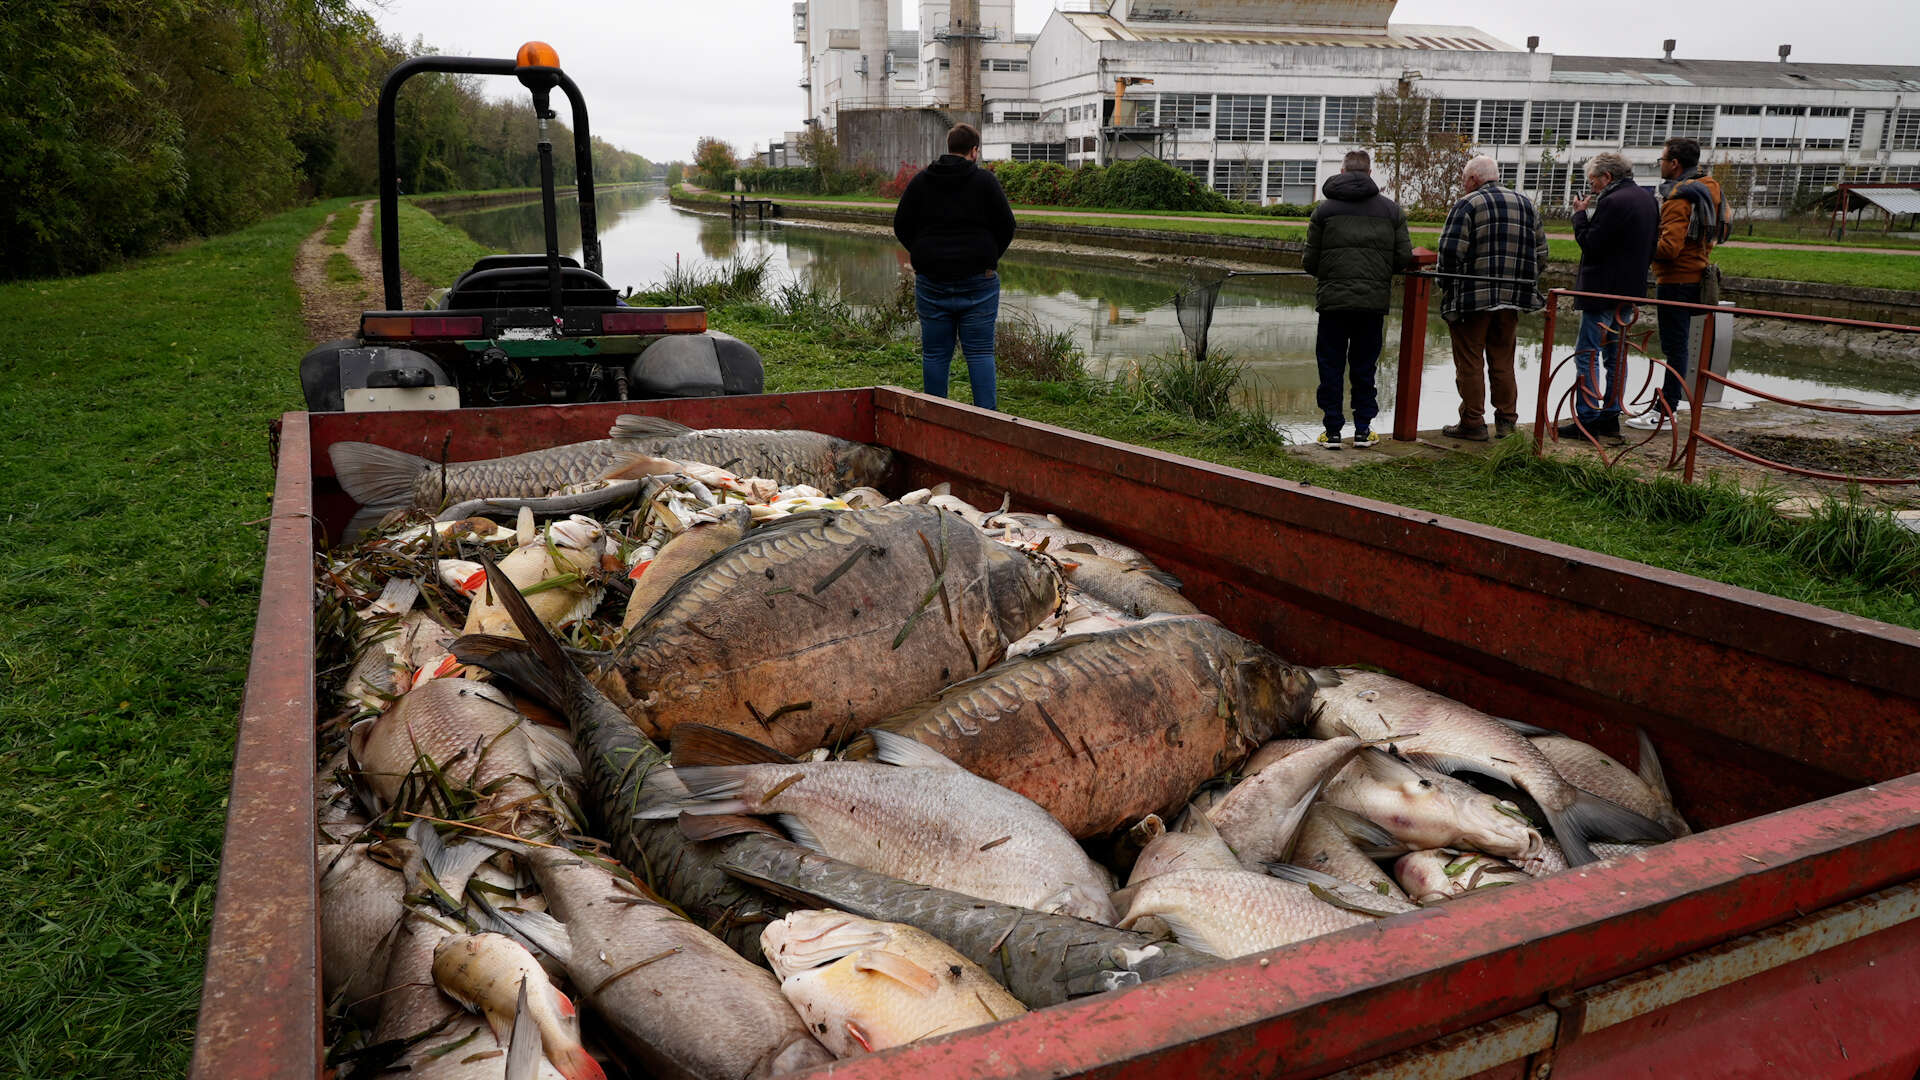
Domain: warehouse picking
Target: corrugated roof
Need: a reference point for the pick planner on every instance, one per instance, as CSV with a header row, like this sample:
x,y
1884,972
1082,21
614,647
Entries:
x,y
1747,74
1101,27
1892,200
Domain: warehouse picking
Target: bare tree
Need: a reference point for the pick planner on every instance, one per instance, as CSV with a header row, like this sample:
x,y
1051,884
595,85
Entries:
x,y
1423,162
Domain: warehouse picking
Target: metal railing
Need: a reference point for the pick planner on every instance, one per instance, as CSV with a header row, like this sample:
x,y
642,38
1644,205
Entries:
x,y
1697,381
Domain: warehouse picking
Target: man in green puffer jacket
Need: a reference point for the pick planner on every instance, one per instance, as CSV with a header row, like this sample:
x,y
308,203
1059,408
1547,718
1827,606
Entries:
x,y
1356,240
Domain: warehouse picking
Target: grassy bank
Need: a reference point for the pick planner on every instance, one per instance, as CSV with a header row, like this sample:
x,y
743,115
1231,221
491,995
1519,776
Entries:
x,y
1865,268
137,403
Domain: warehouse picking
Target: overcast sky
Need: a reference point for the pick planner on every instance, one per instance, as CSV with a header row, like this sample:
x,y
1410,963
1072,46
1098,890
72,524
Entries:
x,y
658,75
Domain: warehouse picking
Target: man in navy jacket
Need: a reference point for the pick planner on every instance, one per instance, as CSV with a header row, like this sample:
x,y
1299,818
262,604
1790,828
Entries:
x,y
1616,226
955,223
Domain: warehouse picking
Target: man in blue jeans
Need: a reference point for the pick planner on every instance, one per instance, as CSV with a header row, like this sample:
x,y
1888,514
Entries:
x,y
1615,226
955,223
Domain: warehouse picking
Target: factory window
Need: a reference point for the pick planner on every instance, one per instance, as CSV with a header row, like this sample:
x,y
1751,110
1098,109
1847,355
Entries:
x,y
1346,116
1237,180
1291,181
1786,110
945,63
1818,178
1858,131
1693,122
1502,122
1073,113
1826,144
1773,185
1599,121
1549,186
1194,167
1188,111
1296,119
1647,124
1775,142
1023,117
1455,117
1003,65
1906,130
1551,123
1739,110
1728,142
1240,118
1509,175
1038,151
1087,144
1829,110
1862,174
1903,174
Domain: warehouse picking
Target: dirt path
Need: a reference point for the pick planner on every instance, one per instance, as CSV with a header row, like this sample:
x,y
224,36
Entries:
x,y
332,308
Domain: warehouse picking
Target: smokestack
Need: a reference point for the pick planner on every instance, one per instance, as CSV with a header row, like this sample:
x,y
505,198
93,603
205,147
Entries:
x,y
873,48
1668,46
1533,43
1785,50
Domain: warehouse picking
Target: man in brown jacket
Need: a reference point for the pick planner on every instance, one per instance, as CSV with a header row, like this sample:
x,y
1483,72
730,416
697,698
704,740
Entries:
x,y
1691,215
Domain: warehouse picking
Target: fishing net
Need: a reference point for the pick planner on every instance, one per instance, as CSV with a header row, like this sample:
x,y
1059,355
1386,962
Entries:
x,y
1194,305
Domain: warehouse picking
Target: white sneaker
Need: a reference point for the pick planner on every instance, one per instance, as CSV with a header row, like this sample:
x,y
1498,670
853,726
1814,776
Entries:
x,y
1647,421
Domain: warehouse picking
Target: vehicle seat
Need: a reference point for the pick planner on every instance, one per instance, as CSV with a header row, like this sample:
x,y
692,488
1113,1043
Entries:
x,y
520,281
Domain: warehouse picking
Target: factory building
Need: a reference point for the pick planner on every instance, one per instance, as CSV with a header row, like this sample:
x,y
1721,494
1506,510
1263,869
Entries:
x,y
1261,98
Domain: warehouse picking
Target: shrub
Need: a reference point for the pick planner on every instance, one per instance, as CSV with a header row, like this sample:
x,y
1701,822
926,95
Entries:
x,y
1086,186
1152,184
897,186
1023,346
1178,383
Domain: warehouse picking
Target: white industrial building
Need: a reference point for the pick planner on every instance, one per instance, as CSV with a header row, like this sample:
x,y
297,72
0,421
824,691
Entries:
x,y
1260,98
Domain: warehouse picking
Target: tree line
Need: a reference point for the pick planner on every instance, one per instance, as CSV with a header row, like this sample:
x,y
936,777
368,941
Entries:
x,y
126,125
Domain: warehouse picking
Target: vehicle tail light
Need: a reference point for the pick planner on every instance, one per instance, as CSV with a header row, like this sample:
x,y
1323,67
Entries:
x,y
422,326
655,321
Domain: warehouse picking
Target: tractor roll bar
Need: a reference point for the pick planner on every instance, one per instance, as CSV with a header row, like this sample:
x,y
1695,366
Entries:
x,y
389,164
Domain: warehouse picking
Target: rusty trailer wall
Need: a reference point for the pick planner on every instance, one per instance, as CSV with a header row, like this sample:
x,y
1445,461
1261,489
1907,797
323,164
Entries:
x,y
1791,730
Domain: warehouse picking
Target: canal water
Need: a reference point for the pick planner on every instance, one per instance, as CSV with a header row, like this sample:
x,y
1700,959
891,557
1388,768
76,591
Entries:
x,y
1120,311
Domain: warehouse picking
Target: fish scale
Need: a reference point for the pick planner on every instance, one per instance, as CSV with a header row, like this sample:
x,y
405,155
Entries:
x,y
1102,729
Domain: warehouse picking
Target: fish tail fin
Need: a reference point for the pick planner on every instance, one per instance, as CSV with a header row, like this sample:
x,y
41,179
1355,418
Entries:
x,y
1590,817
574,1063
559,672
513,658
891,748
1655,777
699,744
379,478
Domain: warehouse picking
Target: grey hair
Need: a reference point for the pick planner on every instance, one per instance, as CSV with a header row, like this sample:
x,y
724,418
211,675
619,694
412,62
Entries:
x,y
1482,168
1612,164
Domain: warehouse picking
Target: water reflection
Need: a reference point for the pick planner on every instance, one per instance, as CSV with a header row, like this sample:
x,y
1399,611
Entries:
x,y
1119,311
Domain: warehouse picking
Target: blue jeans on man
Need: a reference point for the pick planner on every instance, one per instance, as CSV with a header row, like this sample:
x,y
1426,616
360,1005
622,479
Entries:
x,y
965,310
1675,327
1601,347
1348,342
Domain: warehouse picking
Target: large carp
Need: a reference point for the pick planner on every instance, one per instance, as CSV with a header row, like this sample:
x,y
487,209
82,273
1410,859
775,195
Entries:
x,y
380,478
1106,728
817,625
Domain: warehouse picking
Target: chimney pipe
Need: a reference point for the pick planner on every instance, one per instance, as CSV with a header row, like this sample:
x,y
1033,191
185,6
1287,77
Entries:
x,y
1784,51
1533,43
1668,46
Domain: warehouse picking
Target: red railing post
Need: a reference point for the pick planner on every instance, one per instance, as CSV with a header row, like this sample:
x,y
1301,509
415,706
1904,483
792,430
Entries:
x,y
1413,347
1700,364
1546,373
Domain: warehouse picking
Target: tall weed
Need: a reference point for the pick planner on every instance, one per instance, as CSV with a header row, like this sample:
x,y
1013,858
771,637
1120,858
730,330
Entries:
x,y
1022,346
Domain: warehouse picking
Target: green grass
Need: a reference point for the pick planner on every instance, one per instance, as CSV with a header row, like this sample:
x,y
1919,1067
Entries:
x,y
430,251
130,558
340,268
343,222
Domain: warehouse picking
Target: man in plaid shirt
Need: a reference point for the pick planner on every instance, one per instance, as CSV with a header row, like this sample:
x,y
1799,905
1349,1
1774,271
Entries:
x,y
1494,232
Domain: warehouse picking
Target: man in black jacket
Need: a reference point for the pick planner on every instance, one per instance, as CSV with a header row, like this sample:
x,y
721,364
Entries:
x,y
955,223
1616,226
1356,239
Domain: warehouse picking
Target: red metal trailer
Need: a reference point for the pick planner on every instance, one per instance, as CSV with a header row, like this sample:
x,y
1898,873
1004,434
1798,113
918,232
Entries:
x,y
1782,940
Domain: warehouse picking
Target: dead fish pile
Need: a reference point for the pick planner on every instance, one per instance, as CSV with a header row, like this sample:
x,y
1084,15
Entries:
x,y
762,768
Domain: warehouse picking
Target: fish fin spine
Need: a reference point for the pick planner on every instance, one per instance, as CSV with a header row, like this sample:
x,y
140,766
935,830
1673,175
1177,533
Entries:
x,y
699,744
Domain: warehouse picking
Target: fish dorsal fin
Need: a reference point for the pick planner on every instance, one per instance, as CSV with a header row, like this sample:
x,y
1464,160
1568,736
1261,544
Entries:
x,y
1531,731
1366,834
698,744
1325,678
1079,548
1154,573
635,426
891,748
898,968
1651,773
1386,768
1195,822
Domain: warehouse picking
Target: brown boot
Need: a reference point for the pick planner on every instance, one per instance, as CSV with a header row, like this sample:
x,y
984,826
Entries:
x,y
1473,433
1502,428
